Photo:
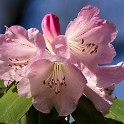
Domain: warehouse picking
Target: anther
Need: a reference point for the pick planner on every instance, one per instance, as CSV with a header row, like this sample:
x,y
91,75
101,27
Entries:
x,y
21,66
44,82
9,65
82,41
89,45
83,50
16,59
91,52
10,59
56,78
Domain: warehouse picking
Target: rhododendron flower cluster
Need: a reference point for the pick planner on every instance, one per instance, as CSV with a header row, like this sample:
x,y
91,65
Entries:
x,y
56,70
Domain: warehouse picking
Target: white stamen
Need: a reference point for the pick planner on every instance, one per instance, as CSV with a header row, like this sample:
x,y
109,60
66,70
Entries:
x,y
17,64
56,78
83,48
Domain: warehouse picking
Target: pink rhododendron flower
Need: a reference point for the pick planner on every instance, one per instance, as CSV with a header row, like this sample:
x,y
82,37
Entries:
x,y
53,82
17,46
69,67
88,37
100,84
58,83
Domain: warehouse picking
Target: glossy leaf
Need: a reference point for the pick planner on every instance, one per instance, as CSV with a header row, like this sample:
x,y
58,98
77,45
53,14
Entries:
x,y
117,110
86,113
2,88
12,106
1,84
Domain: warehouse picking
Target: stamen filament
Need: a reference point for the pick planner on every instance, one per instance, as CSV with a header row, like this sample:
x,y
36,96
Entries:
x,y
56,78
82,48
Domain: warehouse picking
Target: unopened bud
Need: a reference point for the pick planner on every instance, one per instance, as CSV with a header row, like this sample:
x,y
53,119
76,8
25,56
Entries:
x,y
50,26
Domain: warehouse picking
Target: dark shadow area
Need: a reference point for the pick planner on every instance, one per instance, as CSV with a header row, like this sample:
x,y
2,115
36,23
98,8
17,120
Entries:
x,y
112,121
11,12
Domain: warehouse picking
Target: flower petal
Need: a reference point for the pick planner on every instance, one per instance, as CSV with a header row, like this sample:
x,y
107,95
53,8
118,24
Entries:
x,y
44,94
37,38
24,88
101,101
60,47
15,38
66,101
14,60
89,37
81,23
108,75
104,76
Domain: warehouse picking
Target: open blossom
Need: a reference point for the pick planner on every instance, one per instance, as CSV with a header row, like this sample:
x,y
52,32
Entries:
x,y
100,84
17,46
53,82
88,37
53,77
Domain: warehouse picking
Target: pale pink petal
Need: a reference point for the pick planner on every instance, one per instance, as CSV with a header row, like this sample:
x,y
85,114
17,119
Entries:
x,y
104,33
33,86
24,88
41,94
17,46
13,41
89,37
62,95
66,101
6,74
100,99
100,96
9,74
82,22
104,76
108,75
60,47
37,38
88,12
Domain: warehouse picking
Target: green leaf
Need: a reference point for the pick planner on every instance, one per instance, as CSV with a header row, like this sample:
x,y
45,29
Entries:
x,y
12,106
86,113
1,84
24,120
2,88
117,110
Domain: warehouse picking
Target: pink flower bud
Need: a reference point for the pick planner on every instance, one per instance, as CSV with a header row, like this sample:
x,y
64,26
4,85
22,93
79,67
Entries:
x,y
50,26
